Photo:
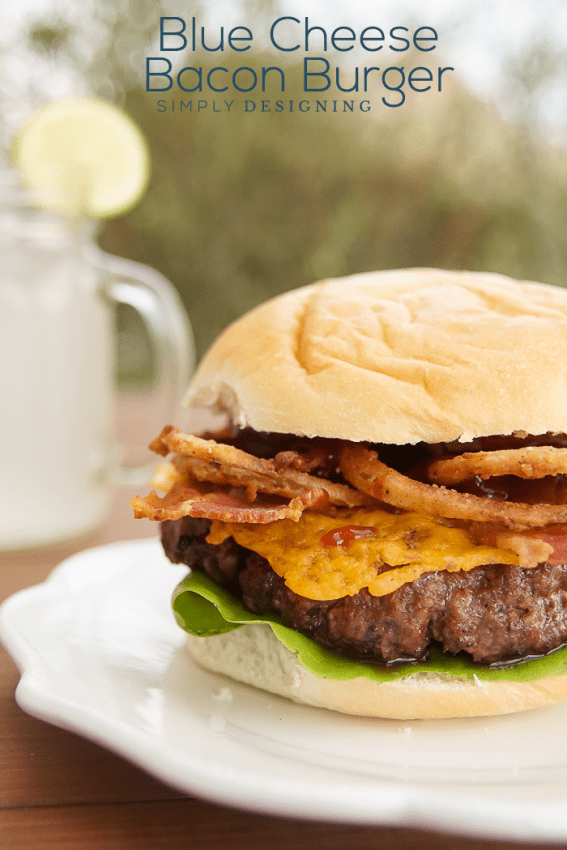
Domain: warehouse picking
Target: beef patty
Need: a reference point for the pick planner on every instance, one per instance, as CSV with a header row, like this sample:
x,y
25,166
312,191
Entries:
x,y
494,613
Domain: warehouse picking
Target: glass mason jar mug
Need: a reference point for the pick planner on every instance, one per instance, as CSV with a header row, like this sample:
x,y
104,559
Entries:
x,y
58,458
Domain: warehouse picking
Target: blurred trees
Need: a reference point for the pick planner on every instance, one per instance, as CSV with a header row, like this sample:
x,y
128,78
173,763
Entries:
x,y
244,206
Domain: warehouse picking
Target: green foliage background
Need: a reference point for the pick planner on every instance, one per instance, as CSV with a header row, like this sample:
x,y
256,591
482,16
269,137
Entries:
x,y
244,206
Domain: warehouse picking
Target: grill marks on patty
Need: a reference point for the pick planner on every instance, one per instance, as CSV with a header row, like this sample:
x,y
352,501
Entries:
x,y
493,613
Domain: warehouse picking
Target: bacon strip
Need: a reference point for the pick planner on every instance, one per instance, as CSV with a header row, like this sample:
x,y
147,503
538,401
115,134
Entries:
x,y
226,504
365,471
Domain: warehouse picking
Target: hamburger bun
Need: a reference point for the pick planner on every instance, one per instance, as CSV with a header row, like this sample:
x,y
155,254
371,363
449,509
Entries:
x,y
255,656
395,357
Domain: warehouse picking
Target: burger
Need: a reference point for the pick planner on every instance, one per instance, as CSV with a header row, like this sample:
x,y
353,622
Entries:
x,y
380,525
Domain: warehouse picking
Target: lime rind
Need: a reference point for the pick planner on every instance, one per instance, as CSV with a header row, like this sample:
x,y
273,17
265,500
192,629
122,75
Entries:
x,y
83,156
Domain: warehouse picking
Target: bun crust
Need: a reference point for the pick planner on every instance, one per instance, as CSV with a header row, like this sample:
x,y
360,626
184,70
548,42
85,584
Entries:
x,y
396,357
254,655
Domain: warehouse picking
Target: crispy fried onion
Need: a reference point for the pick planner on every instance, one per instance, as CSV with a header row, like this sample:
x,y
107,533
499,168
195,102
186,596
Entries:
x,y
363,469
207,460
225,503
164,476
528,462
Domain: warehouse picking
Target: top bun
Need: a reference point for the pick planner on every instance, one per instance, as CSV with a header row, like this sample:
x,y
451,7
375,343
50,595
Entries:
x,y
395,357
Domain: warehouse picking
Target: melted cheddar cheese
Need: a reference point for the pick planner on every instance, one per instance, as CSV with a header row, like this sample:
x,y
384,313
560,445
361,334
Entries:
x,y
400,549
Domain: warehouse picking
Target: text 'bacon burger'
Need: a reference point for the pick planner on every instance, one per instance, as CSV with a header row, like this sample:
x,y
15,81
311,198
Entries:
x,y
382,527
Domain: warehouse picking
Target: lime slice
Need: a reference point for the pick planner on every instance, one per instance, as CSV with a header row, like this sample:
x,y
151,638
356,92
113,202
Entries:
x,y
83,155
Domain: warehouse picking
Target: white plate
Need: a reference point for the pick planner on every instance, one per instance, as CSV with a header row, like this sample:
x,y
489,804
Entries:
x,y
100,654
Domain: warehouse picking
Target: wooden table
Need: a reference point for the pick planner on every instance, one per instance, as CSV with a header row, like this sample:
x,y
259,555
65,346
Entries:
x,y
60,791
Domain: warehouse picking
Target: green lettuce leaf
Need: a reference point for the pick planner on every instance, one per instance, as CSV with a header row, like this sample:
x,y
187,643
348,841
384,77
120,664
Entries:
x,y
203,609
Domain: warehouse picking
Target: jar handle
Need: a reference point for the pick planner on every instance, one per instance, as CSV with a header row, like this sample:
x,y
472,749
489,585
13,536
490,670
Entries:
x,y
162,310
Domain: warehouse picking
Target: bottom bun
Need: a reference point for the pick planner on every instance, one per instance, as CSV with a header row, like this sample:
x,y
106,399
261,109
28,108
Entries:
x,y
255,656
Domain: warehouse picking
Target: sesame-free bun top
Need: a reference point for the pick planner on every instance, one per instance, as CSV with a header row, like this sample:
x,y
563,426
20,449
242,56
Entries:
x,y
395,357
